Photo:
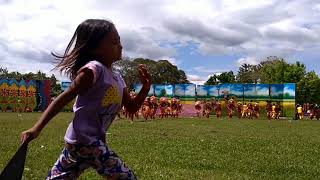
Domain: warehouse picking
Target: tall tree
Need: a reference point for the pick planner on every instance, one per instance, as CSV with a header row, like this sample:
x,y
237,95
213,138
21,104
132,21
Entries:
x,y
295,72
213,80
308,88
3,73
56,88
226,77
248,74
162,71
128,70
279,71
182,77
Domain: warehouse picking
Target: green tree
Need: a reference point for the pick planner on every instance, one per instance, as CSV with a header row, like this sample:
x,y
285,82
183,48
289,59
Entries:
x,y
295,72
279,71
40,76
56,88
182,77
248,73
128,70
213,80
226,77
308,89
3,73
162,71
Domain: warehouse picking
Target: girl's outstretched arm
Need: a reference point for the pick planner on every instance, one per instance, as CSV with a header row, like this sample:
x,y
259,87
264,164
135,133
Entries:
x,y
82,82
132,105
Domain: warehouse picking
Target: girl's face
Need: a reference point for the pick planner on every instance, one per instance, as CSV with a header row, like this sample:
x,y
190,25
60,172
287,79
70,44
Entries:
x,y
110,48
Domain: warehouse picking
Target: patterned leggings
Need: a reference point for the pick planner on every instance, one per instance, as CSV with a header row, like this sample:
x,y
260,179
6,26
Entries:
x,y
77,158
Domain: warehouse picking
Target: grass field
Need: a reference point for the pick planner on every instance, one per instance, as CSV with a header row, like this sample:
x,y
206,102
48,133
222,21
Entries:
x,y
183,148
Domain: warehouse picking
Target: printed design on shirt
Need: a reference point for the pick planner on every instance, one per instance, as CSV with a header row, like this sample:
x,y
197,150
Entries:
x,y
112,96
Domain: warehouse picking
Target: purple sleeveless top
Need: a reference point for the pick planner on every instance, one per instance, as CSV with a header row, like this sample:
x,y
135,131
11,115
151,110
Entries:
x,y
95,110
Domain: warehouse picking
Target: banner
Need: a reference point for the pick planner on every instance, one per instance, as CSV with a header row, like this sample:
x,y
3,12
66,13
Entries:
x,y
65,85
23,96
213,91
138,87
262,92
202,91
224,91
186,92
276,91
249,92
289,99
236,92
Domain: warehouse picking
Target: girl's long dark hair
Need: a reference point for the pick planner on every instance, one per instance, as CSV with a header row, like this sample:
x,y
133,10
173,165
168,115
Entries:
x,y
85,39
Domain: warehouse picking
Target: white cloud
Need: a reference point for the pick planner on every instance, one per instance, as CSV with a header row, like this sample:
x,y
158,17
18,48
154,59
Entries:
x,y
196,79
247,60
192,77
204,69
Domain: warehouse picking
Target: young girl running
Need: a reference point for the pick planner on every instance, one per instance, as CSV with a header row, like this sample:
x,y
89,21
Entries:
x,y
100,93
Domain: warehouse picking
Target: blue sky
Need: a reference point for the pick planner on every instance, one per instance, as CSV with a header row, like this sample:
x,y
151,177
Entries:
x,y
201,37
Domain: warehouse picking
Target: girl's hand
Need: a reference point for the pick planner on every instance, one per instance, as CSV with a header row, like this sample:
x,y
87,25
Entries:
x,y
29,135
144,75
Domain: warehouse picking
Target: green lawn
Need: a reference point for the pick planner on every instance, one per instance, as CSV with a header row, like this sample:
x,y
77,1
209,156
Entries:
x,y
183,148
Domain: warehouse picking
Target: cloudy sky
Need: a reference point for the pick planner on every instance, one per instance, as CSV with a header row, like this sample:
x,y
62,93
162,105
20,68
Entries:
x,y
201,37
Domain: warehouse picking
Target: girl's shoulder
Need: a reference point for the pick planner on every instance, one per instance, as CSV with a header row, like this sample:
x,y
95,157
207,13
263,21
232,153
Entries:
x,y
93,64
96,67
96,63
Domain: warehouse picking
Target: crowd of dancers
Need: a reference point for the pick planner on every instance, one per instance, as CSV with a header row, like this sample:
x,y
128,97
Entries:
x,y
308,111
152,107
165,107
248,110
